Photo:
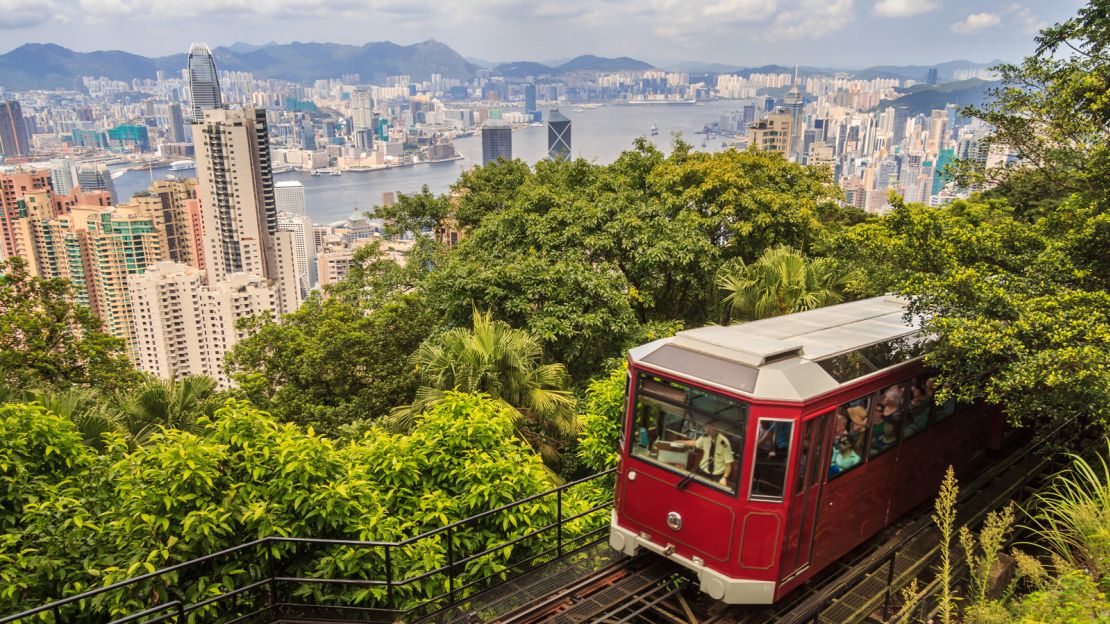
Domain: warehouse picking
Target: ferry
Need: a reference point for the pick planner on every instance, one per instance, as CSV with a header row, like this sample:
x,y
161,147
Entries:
x,y
181,165
335,172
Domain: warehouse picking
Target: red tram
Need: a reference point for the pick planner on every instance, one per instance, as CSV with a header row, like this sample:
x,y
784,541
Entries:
x,y
757,454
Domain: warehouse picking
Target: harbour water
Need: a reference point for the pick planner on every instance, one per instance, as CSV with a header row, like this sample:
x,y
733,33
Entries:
x,y
598,134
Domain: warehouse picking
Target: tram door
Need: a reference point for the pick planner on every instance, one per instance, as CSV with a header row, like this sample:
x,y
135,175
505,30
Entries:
x,y
806,494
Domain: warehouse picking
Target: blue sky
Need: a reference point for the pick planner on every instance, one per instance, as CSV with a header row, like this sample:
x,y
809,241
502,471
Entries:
x,y
841,33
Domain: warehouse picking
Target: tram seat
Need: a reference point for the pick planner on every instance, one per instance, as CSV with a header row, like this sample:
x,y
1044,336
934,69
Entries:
x,y
693,459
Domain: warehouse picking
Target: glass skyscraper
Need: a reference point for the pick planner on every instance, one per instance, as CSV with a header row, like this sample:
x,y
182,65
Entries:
x,y
497,141
558,135
204,83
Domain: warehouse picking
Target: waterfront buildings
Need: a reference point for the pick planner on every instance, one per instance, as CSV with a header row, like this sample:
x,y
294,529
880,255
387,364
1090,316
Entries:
x,y
95,177
204,82
497,141
558,135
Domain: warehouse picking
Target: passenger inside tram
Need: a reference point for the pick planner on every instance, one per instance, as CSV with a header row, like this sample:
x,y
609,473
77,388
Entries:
x,y
844,456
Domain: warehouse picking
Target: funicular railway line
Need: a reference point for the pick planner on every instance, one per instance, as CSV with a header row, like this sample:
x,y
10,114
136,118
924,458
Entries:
x,y
862,587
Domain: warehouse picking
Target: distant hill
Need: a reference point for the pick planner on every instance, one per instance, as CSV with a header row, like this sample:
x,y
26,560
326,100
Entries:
x,y
924,98
46,66
945,71
589,62
522,69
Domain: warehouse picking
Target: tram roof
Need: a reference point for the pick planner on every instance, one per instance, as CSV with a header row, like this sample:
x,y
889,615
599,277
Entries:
x,y
795,356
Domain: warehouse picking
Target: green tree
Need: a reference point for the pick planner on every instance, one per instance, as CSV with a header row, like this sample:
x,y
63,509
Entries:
x,y
331,362
418,213
46,339
175,404
781,281
603,420
503,362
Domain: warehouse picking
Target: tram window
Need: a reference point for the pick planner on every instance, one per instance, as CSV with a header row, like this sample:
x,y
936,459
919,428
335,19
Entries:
x,y
887,417
772,457
940,410
850,435
695,432
921,400
812,437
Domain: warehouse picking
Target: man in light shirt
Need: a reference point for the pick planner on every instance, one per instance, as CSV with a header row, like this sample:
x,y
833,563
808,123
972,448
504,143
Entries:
x,y
716,455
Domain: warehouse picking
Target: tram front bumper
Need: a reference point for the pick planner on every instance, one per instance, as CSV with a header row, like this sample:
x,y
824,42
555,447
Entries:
x,y
711,582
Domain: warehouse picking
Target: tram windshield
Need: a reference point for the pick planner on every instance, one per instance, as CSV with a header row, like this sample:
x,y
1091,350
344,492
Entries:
x,y
697,433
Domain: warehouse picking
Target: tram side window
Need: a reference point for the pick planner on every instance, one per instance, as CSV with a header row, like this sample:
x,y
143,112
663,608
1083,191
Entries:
x,y
694,432
850,435
940,410
887,417
771,459
921,400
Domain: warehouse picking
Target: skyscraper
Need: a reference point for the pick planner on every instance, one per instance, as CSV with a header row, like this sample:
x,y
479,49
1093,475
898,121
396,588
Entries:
x,y
95,177
794,104
530,98
289,197
175,124
901,116
558,135
497,141
239,208
169,199
362,109
204,83
299,229
14,140
63,176
931,77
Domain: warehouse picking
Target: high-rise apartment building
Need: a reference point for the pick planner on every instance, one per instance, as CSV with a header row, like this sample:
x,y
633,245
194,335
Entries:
x,y
773,133
362,109
95,177
204,82
63,176
299,230
184,327
13,186
172,201
558,135
239,208
14,138
497,141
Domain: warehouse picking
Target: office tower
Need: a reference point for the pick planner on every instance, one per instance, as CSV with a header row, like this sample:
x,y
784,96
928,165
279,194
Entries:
x,y
772,133
558,135
299,229
931,77
170,200
175,124
794,105
289,197
901,116
529,98
183,327
239,211
63,176
204,83
95,177
362,109
14,138
497,141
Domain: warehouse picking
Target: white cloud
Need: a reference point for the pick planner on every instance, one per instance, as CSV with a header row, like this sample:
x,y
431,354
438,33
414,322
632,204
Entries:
x,y
976,22
904,8
740,10
27,13
1030,23
811,19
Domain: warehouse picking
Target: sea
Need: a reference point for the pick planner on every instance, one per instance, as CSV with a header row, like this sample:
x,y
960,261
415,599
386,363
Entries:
x,y
597,134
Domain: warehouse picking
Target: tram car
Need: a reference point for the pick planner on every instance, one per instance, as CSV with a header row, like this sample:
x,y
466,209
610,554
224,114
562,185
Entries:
x,y
759,453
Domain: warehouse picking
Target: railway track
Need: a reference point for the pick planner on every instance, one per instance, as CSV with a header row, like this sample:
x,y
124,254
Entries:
x,y
648,589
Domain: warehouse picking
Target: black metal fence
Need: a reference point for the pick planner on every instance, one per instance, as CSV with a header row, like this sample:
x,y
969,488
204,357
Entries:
x,y
265,584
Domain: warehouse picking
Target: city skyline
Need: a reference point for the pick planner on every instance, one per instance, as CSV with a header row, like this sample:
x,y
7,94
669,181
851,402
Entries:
x,y
735,32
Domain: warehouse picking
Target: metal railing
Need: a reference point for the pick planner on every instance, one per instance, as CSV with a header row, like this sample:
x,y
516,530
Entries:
x,y
268,593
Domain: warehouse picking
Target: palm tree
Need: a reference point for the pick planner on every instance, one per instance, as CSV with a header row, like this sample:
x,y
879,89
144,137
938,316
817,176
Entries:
x,y
503,362
781,281
92,416
159,403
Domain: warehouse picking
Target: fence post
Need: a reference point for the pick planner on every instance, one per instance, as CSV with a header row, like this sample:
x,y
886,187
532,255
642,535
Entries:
x,y
889,585
388,577
559,522
450,565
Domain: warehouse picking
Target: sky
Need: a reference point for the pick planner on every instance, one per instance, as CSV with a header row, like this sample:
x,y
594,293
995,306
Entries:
x,y
824,33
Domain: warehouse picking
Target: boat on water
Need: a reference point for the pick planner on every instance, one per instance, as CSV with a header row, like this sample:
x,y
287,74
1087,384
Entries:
x,y
335,172
314,172
182,165
654,129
